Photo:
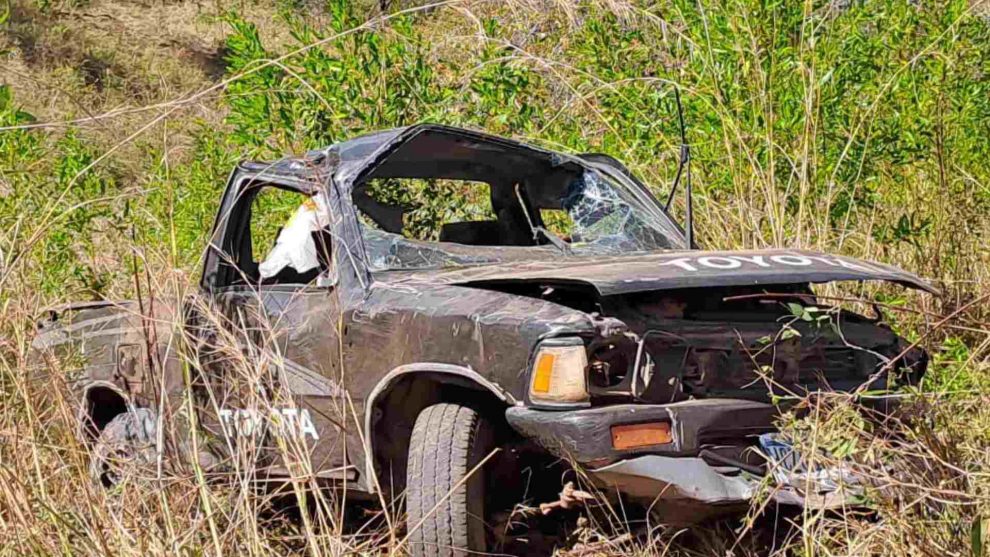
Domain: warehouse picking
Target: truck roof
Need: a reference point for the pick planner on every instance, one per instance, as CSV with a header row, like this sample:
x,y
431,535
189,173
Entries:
x,y
348,159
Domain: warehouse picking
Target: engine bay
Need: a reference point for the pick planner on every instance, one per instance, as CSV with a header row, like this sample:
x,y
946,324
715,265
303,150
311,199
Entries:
x,y
743,342
749,342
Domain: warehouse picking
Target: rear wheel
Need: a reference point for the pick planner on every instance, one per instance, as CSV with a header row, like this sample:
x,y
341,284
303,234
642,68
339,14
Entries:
x,y
447,443
126,445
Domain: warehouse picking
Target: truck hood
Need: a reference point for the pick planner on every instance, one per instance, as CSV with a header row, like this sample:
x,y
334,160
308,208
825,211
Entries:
x,y
677,269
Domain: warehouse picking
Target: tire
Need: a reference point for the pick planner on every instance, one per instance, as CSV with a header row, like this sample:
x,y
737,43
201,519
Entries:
x,y
447,442
127,445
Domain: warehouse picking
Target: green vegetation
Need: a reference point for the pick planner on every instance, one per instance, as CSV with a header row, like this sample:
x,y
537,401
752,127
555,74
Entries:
x,y
855,127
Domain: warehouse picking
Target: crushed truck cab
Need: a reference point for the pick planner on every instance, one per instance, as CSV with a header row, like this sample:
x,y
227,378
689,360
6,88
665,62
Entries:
x,y
408,302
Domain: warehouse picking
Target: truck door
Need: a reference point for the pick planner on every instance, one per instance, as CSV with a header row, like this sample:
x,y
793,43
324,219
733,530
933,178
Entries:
x,y
274,364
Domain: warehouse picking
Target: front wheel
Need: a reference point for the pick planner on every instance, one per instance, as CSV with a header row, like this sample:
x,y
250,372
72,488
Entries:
x,y
445,512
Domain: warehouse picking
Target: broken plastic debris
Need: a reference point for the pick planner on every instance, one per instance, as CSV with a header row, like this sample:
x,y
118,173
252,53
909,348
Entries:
x,y
790,469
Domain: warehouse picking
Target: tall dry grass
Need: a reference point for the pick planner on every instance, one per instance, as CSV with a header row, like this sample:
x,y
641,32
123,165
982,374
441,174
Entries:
x,y
929,471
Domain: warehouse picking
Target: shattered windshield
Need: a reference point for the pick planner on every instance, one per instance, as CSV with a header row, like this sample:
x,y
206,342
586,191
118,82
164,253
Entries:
x,y
602,217
434,223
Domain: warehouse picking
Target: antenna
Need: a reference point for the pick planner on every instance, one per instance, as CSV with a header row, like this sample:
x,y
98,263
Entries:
x,y
683,168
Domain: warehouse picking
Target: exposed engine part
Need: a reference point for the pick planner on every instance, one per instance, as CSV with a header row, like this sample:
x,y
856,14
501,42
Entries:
x,y
608,355
697,343
609,326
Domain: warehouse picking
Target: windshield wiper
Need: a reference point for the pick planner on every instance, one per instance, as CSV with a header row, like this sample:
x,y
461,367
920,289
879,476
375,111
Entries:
x,y
539,230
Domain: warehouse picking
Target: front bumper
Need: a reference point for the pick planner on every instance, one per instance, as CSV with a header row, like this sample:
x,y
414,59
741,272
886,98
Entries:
x,y
673,478
585,436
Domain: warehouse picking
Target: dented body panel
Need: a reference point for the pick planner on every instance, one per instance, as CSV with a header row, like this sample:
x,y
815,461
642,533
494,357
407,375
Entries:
x,y
490,332
114,345
386,324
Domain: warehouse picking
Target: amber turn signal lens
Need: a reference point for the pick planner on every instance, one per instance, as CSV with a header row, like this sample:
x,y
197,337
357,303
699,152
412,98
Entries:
x,y
632,436
559,371
543,373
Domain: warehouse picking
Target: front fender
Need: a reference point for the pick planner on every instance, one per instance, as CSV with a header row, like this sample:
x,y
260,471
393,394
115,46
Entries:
x,y
443,372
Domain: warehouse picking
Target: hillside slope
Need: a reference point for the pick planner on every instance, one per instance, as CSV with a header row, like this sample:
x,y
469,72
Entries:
x,y
851,127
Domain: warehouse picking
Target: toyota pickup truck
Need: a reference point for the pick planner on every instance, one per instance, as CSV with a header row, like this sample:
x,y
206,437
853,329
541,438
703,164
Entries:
x,y
425,308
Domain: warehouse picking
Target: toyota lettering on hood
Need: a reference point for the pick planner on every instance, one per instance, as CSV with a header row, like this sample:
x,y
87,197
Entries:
x,y
680,269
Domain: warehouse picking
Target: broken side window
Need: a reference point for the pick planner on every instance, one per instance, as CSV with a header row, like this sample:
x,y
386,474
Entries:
x,y
288,237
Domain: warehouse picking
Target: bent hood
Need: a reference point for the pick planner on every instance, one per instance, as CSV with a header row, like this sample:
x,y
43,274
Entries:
x,y
681,269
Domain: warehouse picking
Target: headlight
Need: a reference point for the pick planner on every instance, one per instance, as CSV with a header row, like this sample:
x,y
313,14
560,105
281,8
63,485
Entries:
x,y
558,375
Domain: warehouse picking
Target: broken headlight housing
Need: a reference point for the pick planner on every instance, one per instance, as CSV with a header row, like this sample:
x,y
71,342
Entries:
x,y
559,373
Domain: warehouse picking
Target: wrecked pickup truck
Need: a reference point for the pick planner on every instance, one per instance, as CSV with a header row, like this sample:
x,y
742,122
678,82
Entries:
x,y
441,303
